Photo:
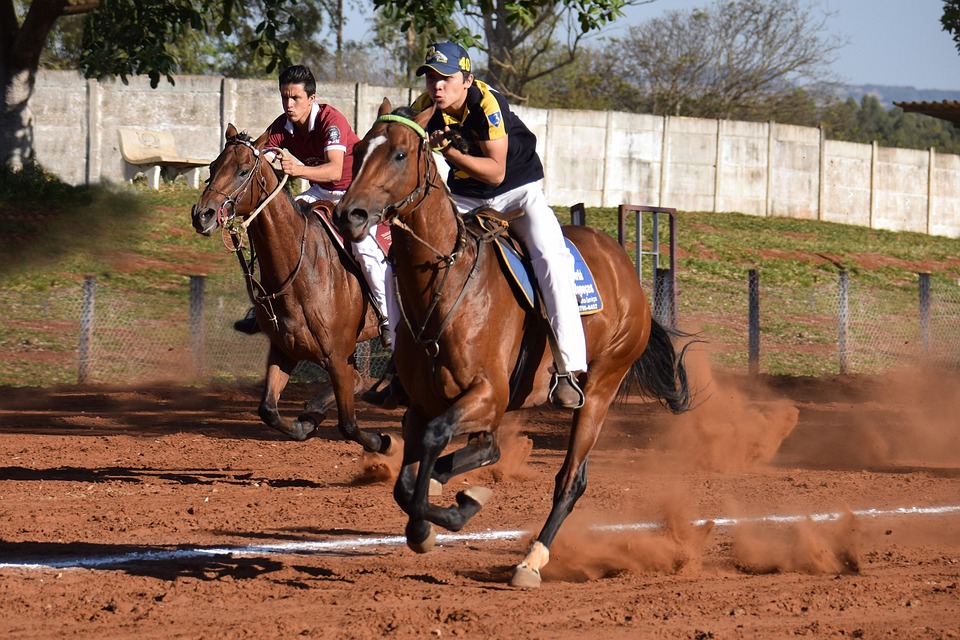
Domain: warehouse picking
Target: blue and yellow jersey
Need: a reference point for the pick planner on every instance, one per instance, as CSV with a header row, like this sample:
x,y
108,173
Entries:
x,y
487,116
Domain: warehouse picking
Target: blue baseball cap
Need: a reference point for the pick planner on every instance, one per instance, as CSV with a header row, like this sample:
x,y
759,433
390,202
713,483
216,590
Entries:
x,y
446,58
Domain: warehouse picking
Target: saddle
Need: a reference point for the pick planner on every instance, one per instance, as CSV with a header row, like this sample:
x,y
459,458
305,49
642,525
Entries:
x,y
323,209
490,225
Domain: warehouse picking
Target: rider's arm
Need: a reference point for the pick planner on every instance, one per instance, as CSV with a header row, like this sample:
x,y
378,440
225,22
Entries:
x,y
490,168
329,171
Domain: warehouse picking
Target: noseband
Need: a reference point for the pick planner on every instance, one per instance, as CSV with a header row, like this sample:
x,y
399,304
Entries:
x,y
425,181
231,199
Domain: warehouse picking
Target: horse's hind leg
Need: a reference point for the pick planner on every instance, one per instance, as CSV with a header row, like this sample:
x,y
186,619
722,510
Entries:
x,y
571,480
343,377
279,368
316,407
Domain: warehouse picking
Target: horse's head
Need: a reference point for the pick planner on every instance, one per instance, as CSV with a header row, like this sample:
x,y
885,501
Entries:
x,y
391,172
229,190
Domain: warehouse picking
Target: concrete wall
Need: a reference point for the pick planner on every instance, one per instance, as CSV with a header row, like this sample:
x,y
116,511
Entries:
x,y
598,158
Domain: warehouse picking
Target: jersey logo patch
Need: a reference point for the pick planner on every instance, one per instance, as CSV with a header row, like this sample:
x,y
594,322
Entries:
x,y
495,119
333,135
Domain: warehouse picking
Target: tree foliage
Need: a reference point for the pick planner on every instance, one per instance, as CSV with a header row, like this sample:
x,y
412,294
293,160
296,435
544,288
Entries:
x,y
733,59
950,20
523,39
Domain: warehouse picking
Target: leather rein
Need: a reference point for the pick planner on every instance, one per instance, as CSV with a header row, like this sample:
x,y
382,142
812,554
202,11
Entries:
x,y
236,231
426,180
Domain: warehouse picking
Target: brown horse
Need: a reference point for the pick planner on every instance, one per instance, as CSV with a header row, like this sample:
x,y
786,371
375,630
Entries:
x,y
311,302
462,333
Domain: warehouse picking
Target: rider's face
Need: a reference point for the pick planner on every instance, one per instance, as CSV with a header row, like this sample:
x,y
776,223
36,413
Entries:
x,y
448,92
296,103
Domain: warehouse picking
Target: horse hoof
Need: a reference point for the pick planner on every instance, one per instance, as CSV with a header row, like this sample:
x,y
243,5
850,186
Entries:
x,y
298,431
427,543
388,446
480,495
525,578
435,488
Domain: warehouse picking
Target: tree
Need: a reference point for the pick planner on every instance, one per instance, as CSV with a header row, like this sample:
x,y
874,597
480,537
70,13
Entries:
x,y
138,37
591,82
141,37
522,38
734,59
950,20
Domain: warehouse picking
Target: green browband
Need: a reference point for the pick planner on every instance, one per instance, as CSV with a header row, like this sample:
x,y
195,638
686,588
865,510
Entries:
x,y
407,121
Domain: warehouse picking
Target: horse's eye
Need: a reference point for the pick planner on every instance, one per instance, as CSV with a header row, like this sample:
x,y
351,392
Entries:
x,y
400,156
244,172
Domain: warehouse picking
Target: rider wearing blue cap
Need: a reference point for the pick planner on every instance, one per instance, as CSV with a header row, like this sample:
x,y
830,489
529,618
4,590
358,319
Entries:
x,y
501,169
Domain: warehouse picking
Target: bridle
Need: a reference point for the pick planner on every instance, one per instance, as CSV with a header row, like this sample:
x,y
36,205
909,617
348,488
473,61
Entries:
x,y
426,180
230,200
236,231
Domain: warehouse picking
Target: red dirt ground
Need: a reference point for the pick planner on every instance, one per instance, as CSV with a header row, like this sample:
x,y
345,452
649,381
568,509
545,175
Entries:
x,y
96,473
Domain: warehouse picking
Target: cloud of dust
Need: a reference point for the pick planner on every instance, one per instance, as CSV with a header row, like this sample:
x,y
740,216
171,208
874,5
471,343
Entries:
x,y
817,548
902,418
925,403
515,449
727,431
376,467
584,551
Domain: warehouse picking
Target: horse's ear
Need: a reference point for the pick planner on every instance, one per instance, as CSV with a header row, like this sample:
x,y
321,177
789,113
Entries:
x,y
262,140
385,108
423,118
231,132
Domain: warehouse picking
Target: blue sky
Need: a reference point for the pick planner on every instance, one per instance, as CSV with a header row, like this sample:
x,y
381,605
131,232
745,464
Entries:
x,y
891,42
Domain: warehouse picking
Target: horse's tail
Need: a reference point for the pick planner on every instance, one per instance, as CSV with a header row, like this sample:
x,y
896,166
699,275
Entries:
x,y
660,373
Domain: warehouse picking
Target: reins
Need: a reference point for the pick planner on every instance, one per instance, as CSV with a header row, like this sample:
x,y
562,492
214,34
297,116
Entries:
x,y
425,182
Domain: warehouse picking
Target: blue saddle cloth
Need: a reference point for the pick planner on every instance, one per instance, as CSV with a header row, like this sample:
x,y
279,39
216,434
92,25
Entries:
x,y
518,271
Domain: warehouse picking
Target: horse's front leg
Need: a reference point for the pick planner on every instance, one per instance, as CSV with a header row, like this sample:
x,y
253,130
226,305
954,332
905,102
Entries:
x,y
475,411
279,368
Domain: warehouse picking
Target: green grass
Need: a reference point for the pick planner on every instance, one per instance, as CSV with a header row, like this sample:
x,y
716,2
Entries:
x,y
139,245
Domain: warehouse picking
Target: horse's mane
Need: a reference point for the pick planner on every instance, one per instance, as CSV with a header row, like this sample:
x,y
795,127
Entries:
x,y
244,136
404,112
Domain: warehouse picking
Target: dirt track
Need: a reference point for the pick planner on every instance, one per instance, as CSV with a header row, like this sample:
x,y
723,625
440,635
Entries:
x,y
96,480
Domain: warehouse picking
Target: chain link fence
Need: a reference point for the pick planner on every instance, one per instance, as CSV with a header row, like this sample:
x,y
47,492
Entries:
x,y
98,333
828,329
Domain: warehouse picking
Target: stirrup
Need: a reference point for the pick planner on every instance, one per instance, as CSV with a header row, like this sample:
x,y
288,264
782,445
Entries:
x,y
565,392
385,340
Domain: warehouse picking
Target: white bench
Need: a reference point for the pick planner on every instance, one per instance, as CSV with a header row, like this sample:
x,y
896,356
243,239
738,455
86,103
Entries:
x,y
152,152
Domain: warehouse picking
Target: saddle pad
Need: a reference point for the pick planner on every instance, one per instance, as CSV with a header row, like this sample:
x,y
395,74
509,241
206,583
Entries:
x,y
587,295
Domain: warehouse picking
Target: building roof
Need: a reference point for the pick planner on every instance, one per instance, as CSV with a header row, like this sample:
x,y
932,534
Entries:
x,y
948,110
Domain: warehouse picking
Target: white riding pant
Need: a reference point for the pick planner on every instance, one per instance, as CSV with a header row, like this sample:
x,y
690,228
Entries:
x,y
369,255
539,230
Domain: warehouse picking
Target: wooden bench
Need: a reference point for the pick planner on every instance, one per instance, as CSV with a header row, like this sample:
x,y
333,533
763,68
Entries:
x,y
152,152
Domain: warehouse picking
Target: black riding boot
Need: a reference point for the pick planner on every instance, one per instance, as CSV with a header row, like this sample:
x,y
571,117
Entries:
x,y
565,393
248,324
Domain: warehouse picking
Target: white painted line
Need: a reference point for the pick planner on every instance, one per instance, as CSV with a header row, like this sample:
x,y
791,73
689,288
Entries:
x,y
353,545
